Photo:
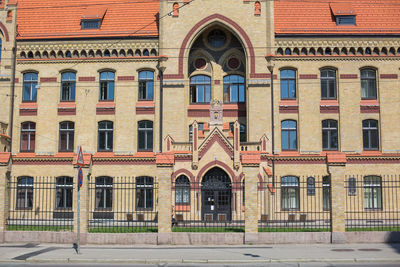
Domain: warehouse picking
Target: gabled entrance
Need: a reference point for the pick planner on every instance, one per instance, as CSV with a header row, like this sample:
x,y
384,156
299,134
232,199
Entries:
x,y
216,192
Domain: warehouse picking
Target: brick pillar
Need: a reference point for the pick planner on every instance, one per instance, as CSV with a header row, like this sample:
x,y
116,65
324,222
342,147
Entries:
x,y
336,168
84,204
4,177
251,203
164,206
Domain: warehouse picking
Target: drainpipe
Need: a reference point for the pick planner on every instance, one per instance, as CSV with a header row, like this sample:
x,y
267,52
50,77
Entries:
x,y
271,66
14,66
161,69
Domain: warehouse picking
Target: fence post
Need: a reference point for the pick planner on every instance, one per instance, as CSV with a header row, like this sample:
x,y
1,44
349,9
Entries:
x,y
4,177
251,203
336,169
84,208
164,198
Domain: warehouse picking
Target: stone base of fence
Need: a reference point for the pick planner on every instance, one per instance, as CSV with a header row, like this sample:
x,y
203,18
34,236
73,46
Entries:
x,y
197,238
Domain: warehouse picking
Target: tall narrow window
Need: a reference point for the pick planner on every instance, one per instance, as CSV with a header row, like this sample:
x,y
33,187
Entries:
x,y
328,84
28,130
234,89
30,87
370,135
242,130
288,84
105,138
310,186
372,192
182,190
107,85
289,135
145,136
104,193
200,89
368,84
326,192
144,192
352,187
200,127
146,85
329,135
64,192
290,196
68,86
66,136
24,193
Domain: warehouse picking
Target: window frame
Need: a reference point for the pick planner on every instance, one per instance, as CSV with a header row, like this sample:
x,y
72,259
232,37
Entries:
x,y
330,130
147,133
287,196
68,83
289,130
370,131
352,186
326,193
66,189
325,82
31,132
182,190
30,79
288,80
239,86
144,83
27,191
366,82
144,190
310,186
108,135
107,86
376,192
68,132
205,87
104,188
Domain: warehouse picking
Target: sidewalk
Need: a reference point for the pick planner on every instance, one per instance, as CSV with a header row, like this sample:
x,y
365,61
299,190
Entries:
x,y
53,253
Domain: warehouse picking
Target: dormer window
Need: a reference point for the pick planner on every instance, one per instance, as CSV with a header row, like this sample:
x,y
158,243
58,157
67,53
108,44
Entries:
x,y
343,13
91,24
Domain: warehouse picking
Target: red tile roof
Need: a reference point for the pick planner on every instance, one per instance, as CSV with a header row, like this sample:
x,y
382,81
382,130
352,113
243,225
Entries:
x,y
316,17
49,19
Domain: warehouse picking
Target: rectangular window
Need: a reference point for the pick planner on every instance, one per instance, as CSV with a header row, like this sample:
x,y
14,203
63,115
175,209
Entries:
x,y
329,135
288,84
289,135
326,193
368,84
328,84
144,193
104,187
290,196
66,136
24,193
372,192
105,136
346,20
107,86
68,86
200,89
146,85
90,24
145,136
64,193
30,87
28,130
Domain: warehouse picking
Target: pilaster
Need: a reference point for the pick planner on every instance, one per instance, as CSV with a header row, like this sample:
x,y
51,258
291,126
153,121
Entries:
x,y
164,205
84,204
251,203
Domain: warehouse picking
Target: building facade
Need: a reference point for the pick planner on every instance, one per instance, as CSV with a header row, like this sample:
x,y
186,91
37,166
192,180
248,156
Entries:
x,y
251,115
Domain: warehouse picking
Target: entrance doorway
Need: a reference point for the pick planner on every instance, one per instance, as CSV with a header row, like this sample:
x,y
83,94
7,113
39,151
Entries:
x,y
216,195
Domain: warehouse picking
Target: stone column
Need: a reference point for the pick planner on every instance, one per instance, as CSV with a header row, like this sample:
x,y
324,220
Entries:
x,y
251,203
336,169
84,204
164,203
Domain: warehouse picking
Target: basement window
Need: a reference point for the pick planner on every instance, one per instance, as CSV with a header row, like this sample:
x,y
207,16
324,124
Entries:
x,y
91,24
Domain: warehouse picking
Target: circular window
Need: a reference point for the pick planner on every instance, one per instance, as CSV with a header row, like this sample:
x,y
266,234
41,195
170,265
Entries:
x,y
200,63
216,38
233,63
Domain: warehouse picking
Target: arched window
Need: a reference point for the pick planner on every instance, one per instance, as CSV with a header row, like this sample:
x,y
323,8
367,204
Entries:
x,y
28,130
30,87
68,80
290,196
288,84
64,186
105,136
288,52
107,85
328,84
146,53
326,192
200,89
372,192
310,186
370,134
329,135
145,136
146,85
368,84
234,89
289,135
144,193
182,190
104,193
24,192
66,136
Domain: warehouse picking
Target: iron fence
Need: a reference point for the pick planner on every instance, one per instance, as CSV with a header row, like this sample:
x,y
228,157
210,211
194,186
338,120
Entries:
x,y
372,203
40,203
214,205
293,203
123,204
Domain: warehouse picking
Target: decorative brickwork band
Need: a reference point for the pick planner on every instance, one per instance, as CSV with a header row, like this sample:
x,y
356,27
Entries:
x,y
348,76
308,76
388,76
87,79
126,78
48,79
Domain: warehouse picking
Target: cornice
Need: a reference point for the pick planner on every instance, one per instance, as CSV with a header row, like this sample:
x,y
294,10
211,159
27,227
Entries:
x,y
339,42
87,60
336,58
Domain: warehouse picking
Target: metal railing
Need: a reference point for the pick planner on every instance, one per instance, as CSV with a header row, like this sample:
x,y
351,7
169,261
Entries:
x,y
40,203
123,204
208,207
372,203
300,204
